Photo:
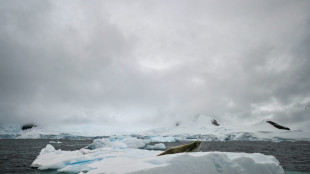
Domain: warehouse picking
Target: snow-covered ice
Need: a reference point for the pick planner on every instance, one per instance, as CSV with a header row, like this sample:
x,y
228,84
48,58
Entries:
x,y
123,159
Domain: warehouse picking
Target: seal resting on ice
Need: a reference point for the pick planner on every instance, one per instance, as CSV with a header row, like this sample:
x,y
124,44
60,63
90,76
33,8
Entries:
x,y
192,147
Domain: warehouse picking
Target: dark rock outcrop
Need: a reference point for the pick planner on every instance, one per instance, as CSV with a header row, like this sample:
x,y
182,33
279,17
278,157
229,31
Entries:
x,y
214,122
28,126
277,125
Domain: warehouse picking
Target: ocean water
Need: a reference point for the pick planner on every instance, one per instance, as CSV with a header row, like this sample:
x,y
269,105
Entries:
x,y
16,155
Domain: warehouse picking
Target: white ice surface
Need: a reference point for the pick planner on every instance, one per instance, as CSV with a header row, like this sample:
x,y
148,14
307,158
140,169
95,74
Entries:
x,y
139,161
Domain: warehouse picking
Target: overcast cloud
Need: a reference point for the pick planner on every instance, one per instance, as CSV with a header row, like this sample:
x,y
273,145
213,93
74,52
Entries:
x,y
149,62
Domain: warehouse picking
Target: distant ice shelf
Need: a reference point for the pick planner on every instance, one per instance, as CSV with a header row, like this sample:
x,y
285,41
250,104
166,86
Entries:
x,y
199,128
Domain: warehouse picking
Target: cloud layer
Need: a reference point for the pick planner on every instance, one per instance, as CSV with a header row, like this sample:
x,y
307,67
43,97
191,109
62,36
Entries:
x,y
148,62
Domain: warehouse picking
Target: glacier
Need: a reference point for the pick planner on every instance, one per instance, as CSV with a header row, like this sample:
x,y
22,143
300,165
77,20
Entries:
x,y
199,128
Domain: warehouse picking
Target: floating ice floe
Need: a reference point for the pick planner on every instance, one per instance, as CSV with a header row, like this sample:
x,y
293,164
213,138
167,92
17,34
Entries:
x,y
141,161
159,146
120,142
161,139
129,155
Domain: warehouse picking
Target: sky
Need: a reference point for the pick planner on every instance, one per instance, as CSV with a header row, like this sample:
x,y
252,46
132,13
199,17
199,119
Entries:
x,y
150,62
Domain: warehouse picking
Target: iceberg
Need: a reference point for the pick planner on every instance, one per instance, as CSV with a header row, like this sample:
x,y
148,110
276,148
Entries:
x,y
117,142
140,161
120,142
159,146
161,139
125,155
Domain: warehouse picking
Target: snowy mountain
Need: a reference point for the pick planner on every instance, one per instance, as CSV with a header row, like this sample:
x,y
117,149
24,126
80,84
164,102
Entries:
x,y
201,127
197,127
59,132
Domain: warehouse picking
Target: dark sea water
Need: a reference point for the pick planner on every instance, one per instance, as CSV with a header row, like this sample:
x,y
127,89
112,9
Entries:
x,y
16,155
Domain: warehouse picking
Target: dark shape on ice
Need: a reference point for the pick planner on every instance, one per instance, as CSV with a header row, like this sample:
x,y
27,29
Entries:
x,y
192,147
28,126
277,125
177,123
214,122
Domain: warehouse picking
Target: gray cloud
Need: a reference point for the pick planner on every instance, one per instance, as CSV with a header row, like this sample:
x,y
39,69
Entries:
x,y
150,62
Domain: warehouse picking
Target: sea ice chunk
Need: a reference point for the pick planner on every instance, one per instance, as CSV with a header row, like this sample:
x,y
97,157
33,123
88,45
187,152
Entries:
x,y
159,146
47,149
117,143
161,139
140,161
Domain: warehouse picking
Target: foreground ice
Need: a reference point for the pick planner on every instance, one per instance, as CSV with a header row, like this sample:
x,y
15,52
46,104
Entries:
x,y
112,158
